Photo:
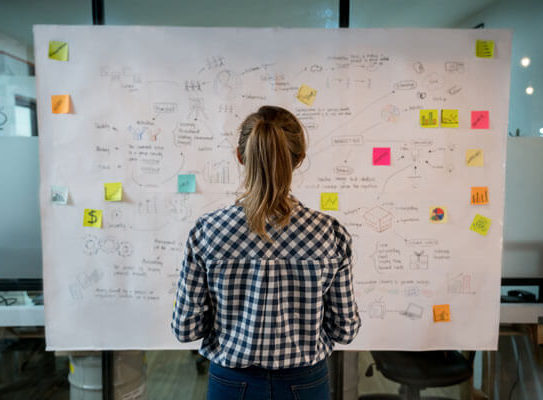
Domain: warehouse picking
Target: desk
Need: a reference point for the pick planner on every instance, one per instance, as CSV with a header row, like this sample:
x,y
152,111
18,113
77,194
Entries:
x,y
521,313
510,313
22,316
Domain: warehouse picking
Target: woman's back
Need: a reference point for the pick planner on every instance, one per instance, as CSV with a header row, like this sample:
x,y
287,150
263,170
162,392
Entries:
x,y
267,282
278,303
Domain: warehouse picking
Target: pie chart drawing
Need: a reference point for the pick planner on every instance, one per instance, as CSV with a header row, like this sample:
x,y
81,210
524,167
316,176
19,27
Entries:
x,y
438,214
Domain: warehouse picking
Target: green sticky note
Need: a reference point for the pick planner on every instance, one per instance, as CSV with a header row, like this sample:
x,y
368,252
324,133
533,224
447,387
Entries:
x,y
186,183
329,202
484,48
480,224
58,50
113,191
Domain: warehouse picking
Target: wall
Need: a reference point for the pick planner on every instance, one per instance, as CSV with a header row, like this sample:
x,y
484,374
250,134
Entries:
x,y
523,226
524,17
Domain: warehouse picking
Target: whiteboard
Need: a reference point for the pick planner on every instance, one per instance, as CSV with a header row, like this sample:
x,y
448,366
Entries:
x,y
149,104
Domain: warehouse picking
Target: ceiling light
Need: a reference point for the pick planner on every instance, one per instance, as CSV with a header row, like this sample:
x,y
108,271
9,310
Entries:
x,y
525,61
529,90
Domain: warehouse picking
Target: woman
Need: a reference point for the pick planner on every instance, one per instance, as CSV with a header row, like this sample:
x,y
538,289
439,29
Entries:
x,y
267,282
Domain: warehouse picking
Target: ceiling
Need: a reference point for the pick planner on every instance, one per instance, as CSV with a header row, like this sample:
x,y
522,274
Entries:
x,y
18,16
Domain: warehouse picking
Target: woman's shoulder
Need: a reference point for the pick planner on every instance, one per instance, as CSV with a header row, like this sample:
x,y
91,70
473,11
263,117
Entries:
x,y
226,216
310,216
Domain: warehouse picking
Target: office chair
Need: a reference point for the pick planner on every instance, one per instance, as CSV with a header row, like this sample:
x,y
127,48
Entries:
x,y
416,371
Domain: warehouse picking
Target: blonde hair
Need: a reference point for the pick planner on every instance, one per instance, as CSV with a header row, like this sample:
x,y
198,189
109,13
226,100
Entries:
x,y
271,145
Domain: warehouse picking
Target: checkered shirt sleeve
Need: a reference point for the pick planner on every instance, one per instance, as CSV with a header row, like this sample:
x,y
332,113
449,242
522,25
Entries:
x,y
193,314
275,304
341,320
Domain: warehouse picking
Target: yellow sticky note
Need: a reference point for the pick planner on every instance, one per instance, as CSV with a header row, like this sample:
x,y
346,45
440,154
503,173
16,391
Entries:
x,y
307,94
113,191
71,368
428,119
484,48
480,224
329,202
92,218
61,104
442,313
475,158
58,50
479,195
449,118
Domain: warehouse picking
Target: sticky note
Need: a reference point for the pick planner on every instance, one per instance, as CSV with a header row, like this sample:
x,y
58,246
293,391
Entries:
x,y
484,48
479,195
480,120
58,50
428,119
59,195
113,191
329,202
474,158
442,313
92,218
306,94
480,224
449,118
438,215
186,183
61,104
71,368
381,156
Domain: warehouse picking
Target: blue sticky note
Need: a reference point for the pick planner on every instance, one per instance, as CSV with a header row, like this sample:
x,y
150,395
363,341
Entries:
x,y
186,183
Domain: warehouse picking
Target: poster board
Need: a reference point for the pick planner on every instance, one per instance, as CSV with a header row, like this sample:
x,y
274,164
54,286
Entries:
x,y
401,125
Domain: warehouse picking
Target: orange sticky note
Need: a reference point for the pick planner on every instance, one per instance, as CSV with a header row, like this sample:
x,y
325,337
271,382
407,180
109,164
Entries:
x,y
61,104
442,313
479,195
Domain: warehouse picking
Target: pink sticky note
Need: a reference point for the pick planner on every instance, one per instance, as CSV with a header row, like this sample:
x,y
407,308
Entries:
x,y
480,120
381,156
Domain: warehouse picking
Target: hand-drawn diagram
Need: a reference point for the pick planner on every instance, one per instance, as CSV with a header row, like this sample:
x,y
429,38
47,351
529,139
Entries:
x,y
149,114
419,260
93,245
378,219
379,310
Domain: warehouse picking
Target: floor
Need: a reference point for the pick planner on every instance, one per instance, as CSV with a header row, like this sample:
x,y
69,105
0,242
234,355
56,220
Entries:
x,y
32,374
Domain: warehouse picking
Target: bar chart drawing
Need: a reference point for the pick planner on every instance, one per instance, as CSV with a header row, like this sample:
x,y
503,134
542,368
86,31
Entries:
x,y
218,172
459,284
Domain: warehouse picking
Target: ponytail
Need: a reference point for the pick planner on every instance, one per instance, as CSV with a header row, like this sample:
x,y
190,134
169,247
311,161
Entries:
x,y
271,146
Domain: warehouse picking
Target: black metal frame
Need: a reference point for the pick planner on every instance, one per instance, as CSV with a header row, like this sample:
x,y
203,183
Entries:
x,y
8,285
526,282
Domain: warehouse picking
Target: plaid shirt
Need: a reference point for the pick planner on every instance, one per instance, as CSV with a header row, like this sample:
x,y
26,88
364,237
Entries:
x,y
277,304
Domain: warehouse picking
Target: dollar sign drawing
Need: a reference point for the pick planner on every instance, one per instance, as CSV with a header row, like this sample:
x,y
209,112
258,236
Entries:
x,y
93,218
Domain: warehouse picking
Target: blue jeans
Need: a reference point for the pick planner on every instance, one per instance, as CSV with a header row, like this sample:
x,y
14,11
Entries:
x,y
254,383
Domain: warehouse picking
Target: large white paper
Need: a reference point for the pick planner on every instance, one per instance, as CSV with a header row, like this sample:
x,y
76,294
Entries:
x,y
149,104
